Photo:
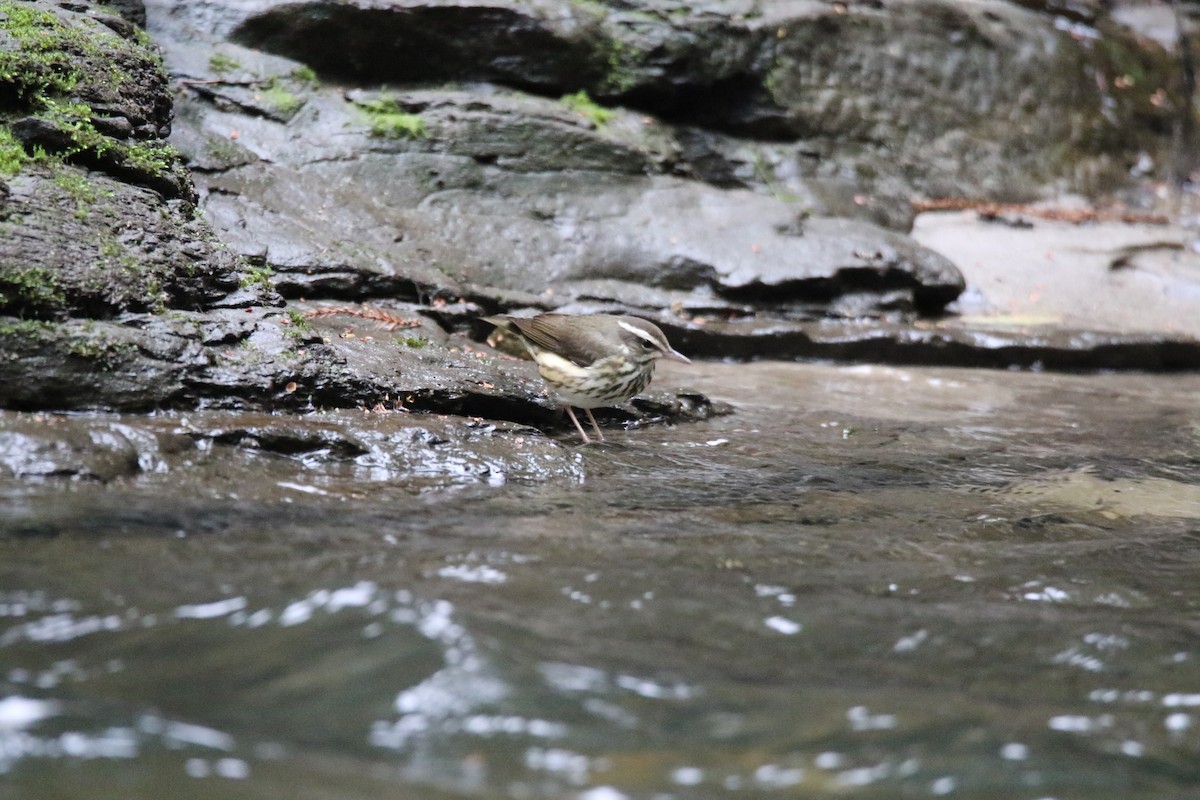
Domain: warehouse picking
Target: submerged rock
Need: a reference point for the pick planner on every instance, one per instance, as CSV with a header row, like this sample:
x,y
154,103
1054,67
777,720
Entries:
x,y
346,452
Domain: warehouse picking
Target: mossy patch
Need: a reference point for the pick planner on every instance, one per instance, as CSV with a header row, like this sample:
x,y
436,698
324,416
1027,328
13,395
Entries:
x,y
226,150
105,353
43,63
32,330
622,74
57,69
153,157
586,107
84,191
257,276
296,325
297,320
30,290
75,121
56,57
388,120
305,74
221,63
280,100
12,153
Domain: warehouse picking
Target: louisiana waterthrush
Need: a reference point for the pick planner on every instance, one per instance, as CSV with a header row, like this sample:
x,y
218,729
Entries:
x,y
591,361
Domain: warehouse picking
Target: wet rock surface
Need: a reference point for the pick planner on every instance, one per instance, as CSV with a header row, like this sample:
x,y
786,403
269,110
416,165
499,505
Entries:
x,y
483,179
116,294
811,71
490,182
256,451
94,247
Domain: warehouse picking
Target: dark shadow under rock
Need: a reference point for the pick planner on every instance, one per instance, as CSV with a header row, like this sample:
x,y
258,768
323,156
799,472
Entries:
x,y
943,343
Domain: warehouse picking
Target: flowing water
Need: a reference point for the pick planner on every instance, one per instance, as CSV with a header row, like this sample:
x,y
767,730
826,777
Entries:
x,y
867,582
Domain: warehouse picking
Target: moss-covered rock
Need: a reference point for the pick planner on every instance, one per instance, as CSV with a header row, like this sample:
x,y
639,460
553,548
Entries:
x,y
88,88
79,243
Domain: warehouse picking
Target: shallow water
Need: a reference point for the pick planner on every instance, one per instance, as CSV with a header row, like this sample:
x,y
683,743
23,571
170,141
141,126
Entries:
x,y
867,582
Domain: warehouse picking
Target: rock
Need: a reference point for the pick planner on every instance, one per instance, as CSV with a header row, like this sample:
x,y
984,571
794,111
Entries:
x,y
132,11
949,341
935,97
421,368
475,211
503,196
1046,276
538,44
724,198
362,449
86,90
116,295
45,446
90,245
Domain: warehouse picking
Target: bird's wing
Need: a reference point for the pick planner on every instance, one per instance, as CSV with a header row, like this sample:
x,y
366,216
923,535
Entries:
x,y
583,346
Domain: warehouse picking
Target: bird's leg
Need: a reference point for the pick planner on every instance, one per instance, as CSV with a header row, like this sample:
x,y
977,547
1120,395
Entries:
x,y
595,427
578,427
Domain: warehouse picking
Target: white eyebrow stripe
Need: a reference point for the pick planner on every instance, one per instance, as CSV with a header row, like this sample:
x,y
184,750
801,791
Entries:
x,y
636,331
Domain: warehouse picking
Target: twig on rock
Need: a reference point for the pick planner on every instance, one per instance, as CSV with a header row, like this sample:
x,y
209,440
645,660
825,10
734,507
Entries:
x,y
1076,216
386,319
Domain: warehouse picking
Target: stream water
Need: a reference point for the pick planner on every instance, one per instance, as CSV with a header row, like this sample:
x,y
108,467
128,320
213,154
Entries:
x,y
866,582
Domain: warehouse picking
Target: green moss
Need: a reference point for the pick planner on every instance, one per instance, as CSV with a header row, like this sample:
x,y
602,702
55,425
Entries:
x,y
153,157
414,342
621,76
75,184
31,287
259,276
153,290
84,191
109,247
225,150
776,81
304,74
47,63
220,63
33,329
144,39
592,6
298,320
583,105
766,175
389,121
281,99
53,57
12,154
75,120
42,63
100,349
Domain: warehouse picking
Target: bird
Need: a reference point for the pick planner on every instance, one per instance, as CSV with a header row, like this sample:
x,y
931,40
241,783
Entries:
x,y
591,361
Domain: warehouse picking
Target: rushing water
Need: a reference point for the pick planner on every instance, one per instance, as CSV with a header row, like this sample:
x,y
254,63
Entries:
x,y
867,582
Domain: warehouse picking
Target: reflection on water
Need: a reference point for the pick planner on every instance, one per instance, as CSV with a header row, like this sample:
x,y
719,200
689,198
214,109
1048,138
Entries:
x,y
865,583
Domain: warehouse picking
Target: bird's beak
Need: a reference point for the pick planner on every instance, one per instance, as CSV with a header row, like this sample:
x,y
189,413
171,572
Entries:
x,y
675,355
